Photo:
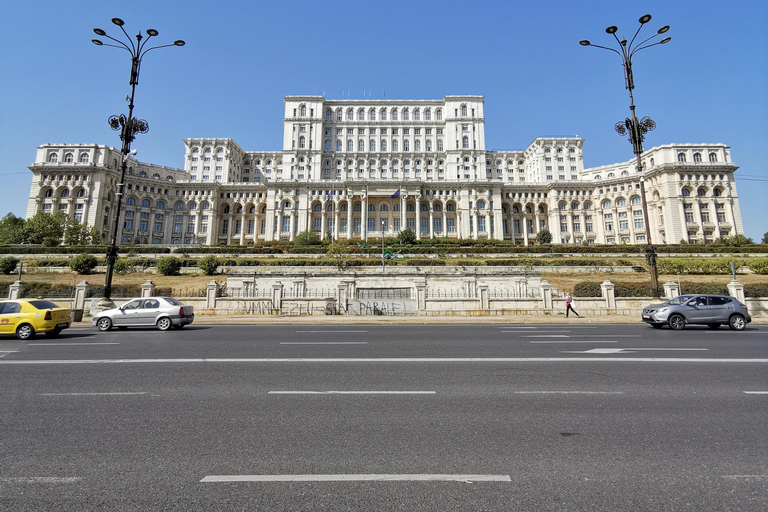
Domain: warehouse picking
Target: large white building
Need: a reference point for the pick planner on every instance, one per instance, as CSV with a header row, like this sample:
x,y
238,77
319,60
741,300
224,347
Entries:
x,y
357,168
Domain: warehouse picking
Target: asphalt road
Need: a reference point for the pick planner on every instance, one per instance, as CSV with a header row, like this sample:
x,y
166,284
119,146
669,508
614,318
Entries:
x,y
376,417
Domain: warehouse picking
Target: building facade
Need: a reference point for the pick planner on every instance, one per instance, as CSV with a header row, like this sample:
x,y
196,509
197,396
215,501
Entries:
x,y
366,168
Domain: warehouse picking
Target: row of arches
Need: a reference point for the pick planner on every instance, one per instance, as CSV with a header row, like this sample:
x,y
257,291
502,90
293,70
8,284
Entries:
x,y
383,145
372,114
69,158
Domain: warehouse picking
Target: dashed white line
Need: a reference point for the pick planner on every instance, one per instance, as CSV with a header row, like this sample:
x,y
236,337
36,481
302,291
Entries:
x,y
331,331
756,392
326,360
40,479
323,342
569,392
351,393
357,478
67,344
93,394
573,341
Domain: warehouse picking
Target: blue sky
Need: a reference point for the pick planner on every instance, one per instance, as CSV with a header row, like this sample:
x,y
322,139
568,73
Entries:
x,y
709,84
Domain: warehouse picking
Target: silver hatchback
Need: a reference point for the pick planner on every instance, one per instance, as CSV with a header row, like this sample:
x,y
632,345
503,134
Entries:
x,y
163,312
710,310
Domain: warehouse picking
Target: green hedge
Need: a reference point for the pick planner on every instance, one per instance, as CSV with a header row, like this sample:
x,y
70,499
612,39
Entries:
x,y
592,289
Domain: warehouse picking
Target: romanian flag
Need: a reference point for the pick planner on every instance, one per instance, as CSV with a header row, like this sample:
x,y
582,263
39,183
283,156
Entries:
x,y
366,194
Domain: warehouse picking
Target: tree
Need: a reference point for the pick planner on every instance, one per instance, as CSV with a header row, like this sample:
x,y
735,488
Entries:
x,y
208,264
83,263
543,237
45,229
406,237
11,229
307,238
765,238
169,266
339,252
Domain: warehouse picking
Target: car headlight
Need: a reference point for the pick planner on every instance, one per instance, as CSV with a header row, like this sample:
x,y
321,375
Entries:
x,y
662,310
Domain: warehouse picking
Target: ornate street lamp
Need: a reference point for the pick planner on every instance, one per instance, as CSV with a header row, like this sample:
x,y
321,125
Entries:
x,y
637,129
129,126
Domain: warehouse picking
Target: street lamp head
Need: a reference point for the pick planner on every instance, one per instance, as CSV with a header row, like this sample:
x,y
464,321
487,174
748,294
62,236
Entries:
x,y
584,42
179,42
612,29
665,40
99,32
645,19
118,22
663,29
151,32
96,42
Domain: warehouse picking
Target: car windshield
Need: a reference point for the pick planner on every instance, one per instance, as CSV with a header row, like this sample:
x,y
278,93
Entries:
x,y
680,300
43,304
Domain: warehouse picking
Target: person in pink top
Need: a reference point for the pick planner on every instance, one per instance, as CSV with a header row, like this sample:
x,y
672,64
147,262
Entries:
x,y
569,306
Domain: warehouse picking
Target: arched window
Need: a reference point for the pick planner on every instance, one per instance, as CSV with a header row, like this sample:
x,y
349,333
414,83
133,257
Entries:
x,y
318,208
329,208
394,114
515,209
287,205
344,207
561,205
179,206
361,145
65,192
361,114
685,192
303,111
226,208
410,208
81,193
350,114
371,207
394,146
440,144
383,144
587,205
574,205
465,142
636,200
701,192
338,145
713,157
429,145
327,146
53,158
384,208
611,175
439,114
239,210
681,157
427,115
339,115
252,209
69,158
350,145
406,145
697,157
621,202
463,111
130,201
396,207
450,208
717,192
160,205
417,145
405,114
437,208
192,205
145,203
606,204
372,145
357,208
423,208
84,158
302,142
480,205
372,114
416,115
383,114
205,206
329,115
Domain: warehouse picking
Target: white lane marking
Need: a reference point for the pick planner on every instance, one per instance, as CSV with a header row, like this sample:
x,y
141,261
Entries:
x,y
386,360
40,479
625,350
352,392
93,394
323,342
569,392
572,341
331,331
756,392
543,331
607,335
518,327
356,478
546,336
745,477
59,344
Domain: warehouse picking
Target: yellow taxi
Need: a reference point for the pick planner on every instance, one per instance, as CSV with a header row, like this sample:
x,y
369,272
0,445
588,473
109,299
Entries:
x,y
26,317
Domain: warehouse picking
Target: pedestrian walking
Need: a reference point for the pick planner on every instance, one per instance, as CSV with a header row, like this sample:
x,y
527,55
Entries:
x,y
569,306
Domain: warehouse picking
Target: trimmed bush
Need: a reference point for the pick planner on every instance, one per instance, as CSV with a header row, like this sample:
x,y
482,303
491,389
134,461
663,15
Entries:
x,y
169,266
758,265
83,263
208,264
8,265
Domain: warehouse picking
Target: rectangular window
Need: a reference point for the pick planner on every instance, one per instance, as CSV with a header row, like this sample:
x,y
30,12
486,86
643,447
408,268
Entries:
x,y
396,224
343,225
609,226
128,224
158,227
437,225
623,225
329,225
177,227
638,223
263,228
251,224
384,225
143,225
317,224
238,226
450,225
286,228
225,227
424,225
410,223
357,225
371,225
190,227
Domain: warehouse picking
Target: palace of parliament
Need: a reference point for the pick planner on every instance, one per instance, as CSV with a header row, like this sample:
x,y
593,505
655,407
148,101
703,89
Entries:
x,y
360,168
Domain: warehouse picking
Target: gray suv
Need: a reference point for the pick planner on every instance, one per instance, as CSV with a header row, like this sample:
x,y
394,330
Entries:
x,y
709,310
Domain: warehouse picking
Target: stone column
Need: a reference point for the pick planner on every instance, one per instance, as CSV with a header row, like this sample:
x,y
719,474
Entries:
x,y
292,226
485,303
211,290
671,290
350,219
431,222
736,290
81,291
546,294
231,228
341,297
418,219
421,295
16,290
609,294
277,297
243,227
148,289
322,223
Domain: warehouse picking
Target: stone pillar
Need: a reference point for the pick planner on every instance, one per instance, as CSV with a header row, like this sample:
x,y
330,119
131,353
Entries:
x,y
277,297
671,290
736,290
341,298
211,290
421,295
16,290
546,294
485,303
81,291
147,289
609,294
418,218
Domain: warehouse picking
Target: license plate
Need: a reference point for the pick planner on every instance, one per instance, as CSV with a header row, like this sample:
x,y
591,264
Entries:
x,y
62,325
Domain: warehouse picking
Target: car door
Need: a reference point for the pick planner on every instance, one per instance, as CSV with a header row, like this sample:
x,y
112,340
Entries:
x,y
128,313
9,316
147,312
697,310
720,309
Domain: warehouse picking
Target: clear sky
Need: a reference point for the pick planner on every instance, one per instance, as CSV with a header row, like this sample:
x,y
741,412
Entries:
x,y
709,84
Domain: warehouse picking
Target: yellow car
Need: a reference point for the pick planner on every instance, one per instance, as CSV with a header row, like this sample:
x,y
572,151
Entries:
x,y
26,317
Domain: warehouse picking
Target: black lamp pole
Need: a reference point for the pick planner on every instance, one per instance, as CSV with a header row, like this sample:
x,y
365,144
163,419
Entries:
x,y
637,129
129,126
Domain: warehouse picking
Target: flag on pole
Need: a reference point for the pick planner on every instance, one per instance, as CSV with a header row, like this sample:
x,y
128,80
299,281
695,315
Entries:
x,y
328,197
396,194
366,194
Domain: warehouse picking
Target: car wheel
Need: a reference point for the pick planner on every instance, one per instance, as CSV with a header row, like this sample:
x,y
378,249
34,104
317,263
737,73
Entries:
x,y
25,332
657,326
713,326
104,324
54,333
164,323
677,322
737,323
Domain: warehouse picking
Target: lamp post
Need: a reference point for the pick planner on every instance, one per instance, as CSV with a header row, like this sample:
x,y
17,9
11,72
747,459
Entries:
x,y
129,126
637,129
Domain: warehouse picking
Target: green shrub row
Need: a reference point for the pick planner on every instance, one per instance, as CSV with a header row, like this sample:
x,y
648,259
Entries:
x,y
593,289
